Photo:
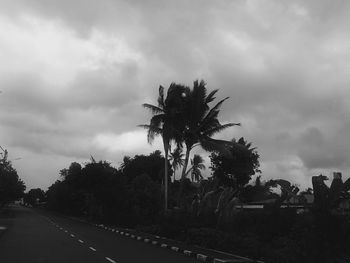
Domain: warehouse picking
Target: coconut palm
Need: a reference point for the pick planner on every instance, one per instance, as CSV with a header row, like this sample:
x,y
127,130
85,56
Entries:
x,y
197,164
201,123
176,158
167,122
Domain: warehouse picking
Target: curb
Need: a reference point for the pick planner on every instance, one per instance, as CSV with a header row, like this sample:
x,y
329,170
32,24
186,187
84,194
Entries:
x,y
155,241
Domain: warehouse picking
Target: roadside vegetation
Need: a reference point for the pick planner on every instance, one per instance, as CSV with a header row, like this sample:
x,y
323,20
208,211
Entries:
x,y
11,186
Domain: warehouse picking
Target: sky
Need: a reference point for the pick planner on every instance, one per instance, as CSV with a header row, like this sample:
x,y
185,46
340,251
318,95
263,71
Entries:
x,y
73,76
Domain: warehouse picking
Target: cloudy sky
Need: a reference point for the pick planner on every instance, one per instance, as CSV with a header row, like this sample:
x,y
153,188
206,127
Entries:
x,y
73,76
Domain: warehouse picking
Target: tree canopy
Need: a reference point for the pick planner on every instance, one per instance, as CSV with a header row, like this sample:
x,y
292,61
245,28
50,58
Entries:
x,y
237,169
11,186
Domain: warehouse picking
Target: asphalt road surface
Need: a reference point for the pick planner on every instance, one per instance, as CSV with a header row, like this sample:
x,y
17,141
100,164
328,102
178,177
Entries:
x,y
39,237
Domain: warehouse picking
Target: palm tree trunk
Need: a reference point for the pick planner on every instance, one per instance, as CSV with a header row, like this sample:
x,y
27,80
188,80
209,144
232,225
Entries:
x,y
166,147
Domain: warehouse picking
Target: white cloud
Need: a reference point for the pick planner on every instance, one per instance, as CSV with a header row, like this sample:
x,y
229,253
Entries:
x,y
128,142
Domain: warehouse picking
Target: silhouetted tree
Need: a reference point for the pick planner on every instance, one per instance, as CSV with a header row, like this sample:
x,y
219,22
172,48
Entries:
x,y
11,187
176,158
167,122
152,165
238,168
201,122
197,164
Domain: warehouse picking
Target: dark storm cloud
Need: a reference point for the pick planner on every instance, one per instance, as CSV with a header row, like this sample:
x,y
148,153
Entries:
x,y
75,87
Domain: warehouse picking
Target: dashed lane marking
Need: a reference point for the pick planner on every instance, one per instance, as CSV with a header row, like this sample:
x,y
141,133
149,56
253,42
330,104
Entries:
x,y
93,249
72,235
81,241
110,260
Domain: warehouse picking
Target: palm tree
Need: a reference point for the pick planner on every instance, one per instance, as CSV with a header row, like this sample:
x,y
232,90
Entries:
x,y
201,123
197,165
176,158
126,161
167,122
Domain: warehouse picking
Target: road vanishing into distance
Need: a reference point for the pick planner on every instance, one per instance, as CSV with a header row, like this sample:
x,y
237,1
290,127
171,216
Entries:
x,y
33,236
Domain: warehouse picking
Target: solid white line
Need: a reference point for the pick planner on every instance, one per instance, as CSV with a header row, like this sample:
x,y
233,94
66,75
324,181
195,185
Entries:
x,y
81,241
93,249
110,260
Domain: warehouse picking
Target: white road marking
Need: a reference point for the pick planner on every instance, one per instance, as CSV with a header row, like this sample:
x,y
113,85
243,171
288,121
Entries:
x,y
66,231
110,260
72,235
81,241
93,249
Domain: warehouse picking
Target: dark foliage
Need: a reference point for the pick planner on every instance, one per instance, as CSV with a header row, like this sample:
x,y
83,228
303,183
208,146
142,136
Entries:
x,y
34,197
11,186
235,169
152,165
103,193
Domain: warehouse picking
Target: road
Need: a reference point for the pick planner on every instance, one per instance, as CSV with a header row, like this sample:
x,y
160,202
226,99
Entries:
x,y
34,237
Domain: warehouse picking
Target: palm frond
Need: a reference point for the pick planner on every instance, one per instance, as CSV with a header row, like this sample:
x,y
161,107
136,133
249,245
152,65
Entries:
x,y
152,108
177,158
153,129
161,97
201,166
210,132
211,97
215,109
197,159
